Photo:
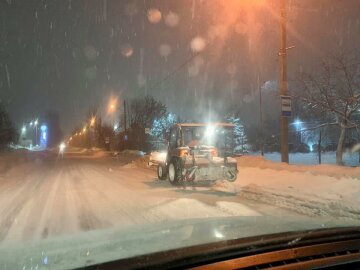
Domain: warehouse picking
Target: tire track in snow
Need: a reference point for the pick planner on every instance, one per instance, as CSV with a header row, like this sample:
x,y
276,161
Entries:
x,y
86,217
27,190
326,208
128,205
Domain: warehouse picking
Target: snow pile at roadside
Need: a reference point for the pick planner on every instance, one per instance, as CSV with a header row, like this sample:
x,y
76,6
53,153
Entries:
x,y
73,150
323,190
22,159
349,158
157,157
142,162
133,152
324,169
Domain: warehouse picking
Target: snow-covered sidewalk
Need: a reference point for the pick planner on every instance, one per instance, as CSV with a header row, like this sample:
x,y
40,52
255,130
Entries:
x,y
324,190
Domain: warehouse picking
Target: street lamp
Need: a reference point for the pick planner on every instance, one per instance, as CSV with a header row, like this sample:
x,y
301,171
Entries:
x,y
23,130
92,121
36,131
298,126
112,105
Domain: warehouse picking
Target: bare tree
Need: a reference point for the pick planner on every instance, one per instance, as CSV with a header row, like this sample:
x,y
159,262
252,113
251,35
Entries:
x,y
8,133
143,111
334,92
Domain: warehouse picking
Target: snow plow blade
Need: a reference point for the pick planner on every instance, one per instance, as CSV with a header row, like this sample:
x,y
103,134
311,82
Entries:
x,y
205,169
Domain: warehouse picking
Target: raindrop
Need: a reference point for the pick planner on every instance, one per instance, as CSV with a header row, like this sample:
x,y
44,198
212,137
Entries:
x,y
45,260
154,15
231,69
131,9
248,98
193,71
8,75
141,80
241,28
198,44
165,50
90,72
90,52
127,50
172,19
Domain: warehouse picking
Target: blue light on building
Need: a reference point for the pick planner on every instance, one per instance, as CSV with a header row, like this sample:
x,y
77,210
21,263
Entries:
x,y
43,136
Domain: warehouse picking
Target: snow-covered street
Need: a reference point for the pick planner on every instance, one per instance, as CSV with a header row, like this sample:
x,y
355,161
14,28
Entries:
x,y
51,195
43,195
91,201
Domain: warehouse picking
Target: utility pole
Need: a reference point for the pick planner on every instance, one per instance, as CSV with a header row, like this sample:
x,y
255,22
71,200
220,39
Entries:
x,y
125,115
284,126
261,118
125,135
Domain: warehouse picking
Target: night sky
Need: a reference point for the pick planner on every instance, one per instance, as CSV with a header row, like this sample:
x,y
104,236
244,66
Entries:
x,y
69,55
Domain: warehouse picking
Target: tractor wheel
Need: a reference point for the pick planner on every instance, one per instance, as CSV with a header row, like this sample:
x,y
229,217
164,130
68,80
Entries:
x,y
174,172
231,175
161,172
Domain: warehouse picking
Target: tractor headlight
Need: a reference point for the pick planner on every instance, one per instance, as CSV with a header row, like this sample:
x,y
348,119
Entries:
x,y
183,152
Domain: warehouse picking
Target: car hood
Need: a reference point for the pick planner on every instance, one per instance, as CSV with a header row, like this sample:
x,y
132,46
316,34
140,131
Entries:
x,y
99,246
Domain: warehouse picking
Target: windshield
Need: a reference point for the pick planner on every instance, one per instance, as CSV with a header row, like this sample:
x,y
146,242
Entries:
x,y
129,127
210,135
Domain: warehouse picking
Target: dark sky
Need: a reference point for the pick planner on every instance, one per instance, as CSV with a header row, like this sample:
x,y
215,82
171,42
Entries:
x,y
69,55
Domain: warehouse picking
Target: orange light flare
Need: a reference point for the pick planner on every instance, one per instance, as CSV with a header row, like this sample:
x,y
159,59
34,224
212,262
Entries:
x,y
92,121
113,103
234,16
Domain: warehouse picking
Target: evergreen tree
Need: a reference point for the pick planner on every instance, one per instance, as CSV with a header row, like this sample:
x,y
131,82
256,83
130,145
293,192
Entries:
x,y
240,138
8,133
161,124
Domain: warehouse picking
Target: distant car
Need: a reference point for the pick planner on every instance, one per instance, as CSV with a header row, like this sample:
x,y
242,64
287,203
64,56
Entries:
x,y
194,151
302,148
330,147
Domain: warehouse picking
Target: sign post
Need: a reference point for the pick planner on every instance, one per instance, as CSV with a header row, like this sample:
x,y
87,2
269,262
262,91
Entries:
x,y
286,106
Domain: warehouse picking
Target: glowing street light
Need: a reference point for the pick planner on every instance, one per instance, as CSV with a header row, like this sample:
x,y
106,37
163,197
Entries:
x,y
31,123
112,105
36,122
92,121
298,124
62,147
84,129
23,130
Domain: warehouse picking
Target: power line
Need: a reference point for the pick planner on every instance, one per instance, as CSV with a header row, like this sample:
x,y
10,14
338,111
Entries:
x,y
170,74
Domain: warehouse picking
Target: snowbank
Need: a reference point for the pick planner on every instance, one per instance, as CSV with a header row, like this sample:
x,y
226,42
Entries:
x,y
349,158
157,157
323,169
324,190
133,152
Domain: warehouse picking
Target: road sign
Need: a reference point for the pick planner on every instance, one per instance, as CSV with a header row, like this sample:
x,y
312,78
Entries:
x,y
286,109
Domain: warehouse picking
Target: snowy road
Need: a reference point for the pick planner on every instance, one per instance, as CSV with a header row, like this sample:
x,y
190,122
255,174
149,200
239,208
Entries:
x,y
46,197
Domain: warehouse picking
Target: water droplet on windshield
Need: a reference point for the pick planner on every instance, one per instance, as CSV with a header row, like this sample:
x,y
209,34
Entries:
x,y
154,15
127,50
172,19
197,44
